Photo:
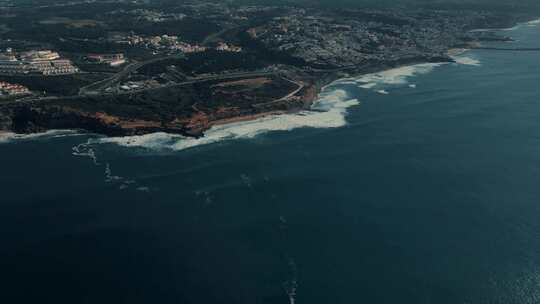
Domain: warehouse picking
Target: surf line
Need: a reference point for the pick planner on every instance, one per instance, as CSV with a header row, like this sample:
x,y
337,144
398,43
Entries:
x,y
508,49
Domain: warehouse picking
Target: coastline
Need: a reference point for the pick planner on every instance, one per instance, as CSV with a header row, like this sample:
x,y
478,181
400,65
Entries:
x,y
309,101
94,123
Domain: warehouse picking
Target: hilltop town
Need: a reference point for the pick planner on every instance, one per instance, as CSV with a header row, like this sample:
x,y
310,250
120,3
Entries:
x,y
133,67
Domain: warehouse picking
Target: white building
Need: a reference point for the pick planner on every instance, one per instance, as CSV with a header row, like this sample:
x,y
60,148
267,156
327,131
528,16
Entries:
x,y
43,62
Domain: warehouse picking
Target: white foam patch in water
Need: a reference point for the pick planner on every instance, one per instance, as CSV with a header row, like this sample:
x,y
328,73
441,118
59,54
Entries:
x,y
329,111
482,30
9,137
368,85
465,60
383,92
516,27
397,76
86,151
534,22
412,86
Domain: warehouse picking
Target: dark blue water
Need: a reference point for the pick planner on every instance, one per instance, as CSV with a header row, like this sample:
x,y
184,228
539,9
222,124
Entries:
x,y
428,195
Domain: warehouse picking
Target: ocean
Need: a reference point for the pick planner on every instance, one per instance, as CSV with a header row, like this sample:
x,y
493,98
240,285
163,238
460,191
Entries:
x,y
415,185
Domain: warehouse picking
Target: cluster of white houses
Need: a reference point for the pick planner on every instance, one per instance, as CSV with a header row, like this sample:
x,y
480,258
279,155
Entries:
x,y
45,62
10,89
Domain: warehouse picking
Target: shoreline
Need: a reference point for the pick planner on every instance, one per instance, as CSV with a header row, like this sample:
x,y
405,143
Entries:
x,y
322,84
320,87
309,98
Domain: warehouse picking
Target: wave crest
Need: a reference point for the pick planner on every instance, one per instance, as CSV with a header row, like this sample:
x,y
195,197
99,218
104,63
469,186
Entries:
x,y
534,22
393,77
9,137
466,60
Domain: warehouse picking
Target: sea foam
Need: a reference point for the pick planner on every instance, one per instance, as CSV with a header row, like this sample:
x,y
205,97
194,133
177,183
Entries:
x,y
465,60
513,28
9,137
534,22
397,76
380,81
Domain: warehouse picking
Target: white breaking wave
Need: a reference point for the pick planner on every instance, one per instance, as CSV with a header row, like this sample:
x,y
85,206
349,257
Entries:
x,y
11,137
368,85
464,60
481,30
383,92
86,151
397,76
534,22
516,27
329,111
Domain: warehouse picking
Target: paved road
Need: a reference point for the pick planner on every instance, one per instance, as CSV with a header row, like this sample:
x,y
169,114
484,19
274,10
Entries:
x,y
202,79
299,85
94,88
192,81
